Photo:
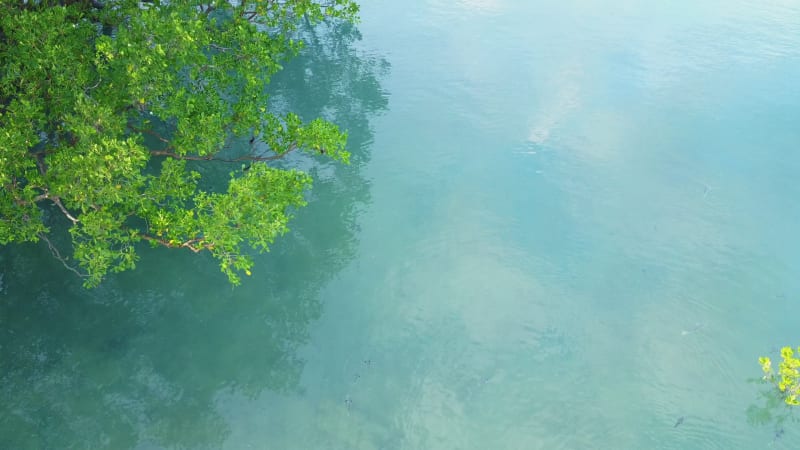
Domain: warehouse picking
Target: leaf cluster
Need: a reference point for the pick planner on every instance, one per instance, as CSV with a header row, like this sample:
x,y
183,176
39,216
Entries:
x,y
102,104
787,377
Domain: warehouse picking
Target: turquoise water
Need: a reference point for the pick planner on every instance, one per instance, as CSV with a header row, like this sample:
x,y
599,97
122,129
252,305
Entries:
x,y
567,225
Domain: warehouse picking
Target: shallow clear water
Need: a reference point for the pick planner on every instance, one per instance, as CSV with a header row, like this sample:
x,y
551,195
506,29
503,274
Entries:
x,y
567,225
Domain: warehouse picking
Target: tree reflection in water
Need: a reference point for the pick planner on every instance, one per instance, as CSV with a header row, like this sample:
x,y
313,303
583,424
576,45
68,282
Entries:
x,y
140,361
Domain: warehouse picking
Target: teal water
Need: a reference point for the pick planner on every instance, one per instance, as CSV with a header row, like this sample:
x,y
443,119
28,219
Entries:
x,y
566,226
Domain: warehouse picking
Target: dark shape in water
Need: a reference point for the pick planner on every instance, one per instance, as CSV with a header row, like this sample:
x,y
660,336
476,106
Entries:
x,y
680,421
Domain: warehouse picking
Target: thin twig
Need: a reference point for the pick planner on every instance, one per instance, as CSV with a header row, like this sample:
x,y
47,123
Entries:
x,y
220,48
212,158
150,132
190,244
57,201
93,87
57,255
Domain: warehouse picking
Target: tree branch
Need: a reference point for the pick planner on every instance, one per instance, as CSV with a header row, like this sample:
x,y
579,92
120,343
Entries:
x,y
191,244
219,47
58,203
208,9
57,255
40,164
151,133
254,158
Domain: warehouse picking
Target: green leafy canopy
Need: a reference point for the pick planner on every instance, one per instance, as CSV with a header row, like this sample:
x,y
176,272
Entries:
x,y
107,107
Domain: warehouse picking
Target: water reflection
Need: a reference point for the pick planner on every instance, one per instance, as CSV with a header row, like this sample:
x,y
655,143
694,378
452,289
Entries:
x,y
333,79
142,361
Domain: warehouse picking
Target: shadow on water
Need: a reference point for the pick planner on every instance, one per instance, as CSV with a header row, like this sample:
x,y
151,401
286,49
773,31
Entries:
x,y
141,361
771,413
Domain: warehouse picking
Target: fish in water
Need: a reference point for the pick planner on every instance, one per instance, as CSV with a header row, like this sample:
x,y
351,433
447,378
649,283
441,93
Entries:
x,y
678,422
697,327
778,434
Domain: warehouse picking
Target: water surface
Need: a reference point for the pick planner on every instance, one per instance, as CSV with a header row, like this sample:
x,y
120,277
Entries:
x,y
567,225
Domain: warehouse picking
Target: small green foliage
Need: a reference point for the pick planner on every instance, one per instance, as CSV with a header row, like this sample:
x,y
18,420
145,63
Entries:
x,y
103,103
787,378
